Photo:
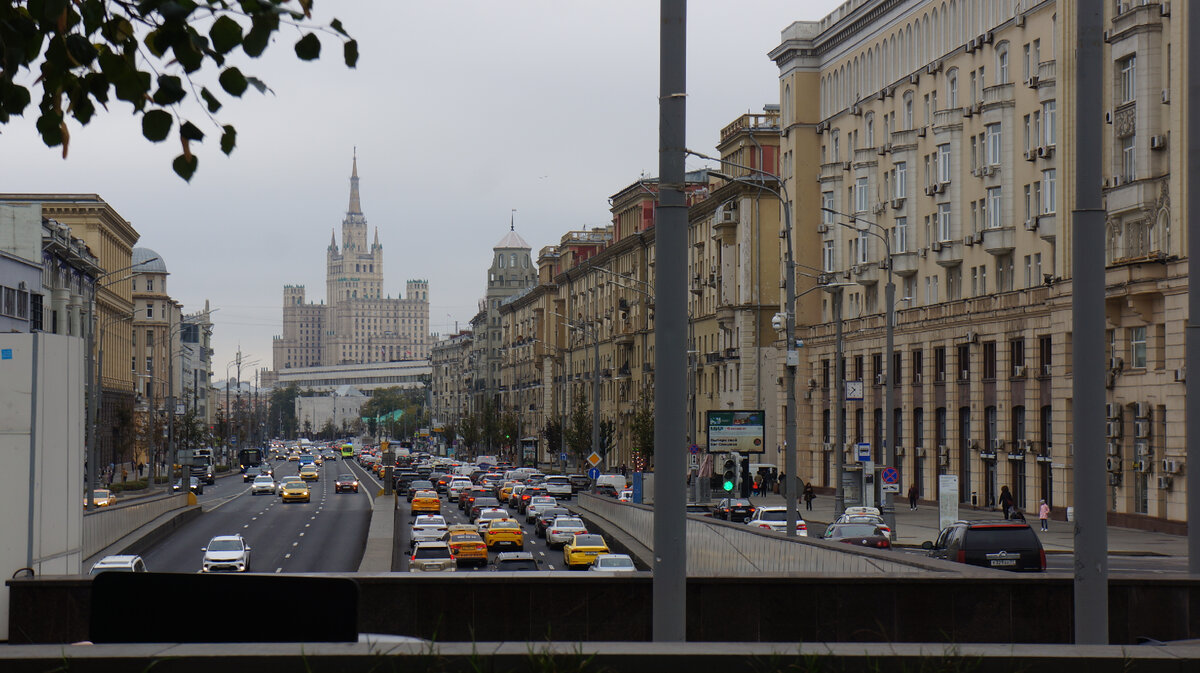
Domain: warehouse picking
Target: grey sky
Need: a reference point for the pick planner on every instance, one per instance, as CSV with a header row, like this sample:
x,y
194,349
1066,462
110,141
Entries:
x,y
461,112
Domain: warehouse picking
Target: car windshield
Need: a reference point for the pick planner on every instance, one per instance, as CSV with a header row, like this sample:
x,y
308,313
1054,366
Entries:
x,y
345,477
99,493
225,545
566,522
295,486
615,563
589,541
432,552
854,530
263,480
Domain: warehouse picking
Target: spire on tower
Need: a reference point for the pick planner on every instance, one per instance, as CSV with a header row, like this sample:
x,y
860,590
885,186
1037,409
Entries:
x,y
376,245
355,206
332,241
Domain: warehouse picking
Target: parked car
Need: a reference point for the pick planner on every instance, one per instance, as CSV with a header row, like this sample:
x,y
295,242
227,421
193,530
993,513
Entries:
x,y
861,534
775,518
613,563
736,510
125,563
432,557
226,553
1005,545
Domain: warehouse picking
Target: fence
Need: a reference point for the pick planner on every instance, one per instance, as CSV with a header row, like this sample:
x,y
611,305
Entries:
x,y
106,525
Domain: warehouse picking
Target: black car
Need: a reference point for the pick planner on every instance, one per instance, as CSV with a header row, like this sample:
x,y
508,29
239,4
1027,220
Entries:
x,y
579,482
861,534
481,503
418,485
251,473
468,497
734,509
1004,545
607,490
546,516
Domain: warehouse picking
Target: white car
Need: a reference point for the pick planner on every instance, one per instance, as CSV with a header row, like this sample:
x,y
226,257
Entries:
x,y
120,563
775,519
613,563
427,528
563,529
226,553
626,495
454,487
486,515
559,487
262,484
432,557
536,503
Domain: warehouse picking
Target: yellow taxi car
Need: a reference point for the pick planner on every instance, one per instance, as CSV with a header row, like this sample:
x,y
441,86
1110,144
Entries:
x,y
583,549
506,491
426,502
317,460
468,548
309,473
293,457
102,497
504,533
295,491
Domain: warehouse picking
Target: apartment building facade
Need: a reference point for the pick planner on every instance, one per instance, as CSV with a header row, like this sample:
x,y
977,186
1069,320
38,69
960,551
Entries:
x,y
938,128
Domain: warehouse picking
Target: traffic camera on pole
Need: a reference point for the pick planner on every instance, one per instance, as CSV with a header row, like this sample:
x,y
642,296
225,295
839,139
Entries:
x,y
729,479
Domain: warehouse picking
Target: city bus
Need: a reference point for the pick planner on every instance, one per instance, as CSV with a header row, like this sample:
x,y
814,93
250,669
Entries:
x,y
249,458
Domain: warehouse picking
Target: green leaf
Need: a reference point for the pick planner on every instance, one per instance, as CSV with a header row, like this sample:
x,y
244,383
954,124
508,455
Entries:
x,y
309,47
185,167
83,109
225,34
50,126
350,50
14,98
133,87
189,131
213,103
228,139
156,125
170,90
233,81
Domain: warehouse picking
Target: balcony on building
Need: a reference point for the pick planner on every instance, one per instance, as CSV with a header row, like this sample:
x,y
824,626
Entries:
x,y
947,118
833,170
906,263
867,274
999,240
1123,196
865,156
765,121
902,140
1046,74
948,253
1047,226
998,95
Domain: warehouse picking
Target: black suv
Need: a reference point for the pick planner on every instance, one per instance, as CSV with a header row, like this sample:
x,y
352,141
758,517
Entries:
x,y
579,482
1004,545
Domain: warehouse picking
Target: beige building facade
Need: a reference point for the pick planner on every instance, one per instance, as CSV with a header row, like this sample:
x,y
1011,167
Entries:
x,y
939,129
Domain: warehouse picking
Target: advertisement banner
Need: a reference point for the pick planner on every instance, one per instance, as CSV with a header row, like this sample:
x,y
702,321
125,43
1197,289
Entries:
x,y
741,431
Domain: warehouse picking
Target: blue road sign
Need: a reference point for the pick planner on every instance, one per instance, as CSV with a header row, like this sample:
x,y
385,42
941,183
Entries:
x,y
890,475
593,473
562,456
694,449
864,451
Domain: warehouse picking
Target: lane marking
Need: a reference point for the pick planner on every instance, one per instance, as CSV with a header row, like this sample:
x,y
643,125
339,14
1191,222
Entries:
x,y
279,570
287,556
246,526
295,544
306,526
302,535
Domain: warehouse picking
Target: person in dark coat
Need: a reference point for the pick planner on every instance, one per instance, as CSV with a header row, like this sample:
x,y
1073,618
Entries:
x,y
809,496
1006,501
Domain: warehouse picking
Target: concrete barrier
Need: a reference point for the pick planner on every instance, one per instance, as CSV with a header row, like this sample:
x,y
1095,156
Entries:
x,y
719,548
106,525
377,555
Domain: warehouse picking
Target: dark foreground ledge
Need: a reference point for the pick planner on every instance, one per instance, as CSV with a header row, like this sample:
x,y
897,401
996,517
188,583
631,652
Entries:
x,y
622,657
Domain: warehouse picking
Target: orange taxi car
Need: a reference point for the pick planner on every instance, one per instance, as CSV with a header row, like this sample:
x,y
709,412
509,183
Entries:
x,y
468,548
504,533
426,502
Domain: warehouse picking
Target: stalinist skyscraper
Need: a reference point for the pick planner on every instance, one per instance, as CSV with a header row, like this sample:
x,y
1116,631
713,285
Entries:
x,y
356,324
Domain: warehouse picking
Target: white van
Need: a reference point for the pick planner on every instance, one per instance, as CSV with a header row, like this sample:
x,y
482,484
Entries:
x,y
617,481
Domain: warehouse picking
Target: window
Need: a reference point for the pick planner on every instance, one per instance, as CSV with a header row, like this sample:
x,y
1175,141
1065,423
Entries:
x,y
964,362
149,284
993,208
993,144
944,163
954,283
952,88
939,363
908,110
861,258
1049,119
1128,82
837,146
1128,168
1137,347
860,196
943,221
827,256
149,310
871,129
1002,64
827,202
1025,63
500,261
989,360
149,338
900,235
1046,194
931,290
901,179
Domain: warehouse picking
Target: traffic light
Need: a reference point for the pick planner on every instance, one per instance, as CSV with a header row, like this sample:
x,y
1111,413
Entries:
x,y
729,480
746,481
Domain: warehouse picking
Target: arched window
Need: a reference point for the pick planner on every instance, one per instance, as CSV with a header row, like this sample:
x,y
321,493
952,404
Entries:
x,y
786,111
500,261
1002,63
513,258
952,88
1161,234
908,110
869,126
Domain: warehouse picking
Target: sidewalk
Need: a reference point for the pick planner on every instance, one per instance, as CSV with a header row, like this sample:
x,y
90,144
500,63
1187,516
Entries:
x,y
915,527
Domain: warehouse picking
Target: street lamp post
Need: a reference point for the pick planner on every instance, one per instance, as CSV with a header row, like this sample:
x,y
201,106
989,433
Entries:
x,y
889,422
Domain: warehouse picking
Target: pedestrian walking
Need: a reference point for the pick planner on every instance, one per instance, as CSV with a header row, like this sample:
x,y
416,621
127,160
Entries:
x,y
912,497
757,487
141,468
1006,501
809,496
124,474
1044,515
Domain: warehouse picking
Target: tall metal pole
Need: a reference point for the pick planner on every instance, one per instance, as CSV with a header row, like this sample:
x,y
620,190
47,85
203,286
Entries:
x,y
793,361
173,448
889,394
670,331
1087,352
1192,354
92,388
596,393
839,401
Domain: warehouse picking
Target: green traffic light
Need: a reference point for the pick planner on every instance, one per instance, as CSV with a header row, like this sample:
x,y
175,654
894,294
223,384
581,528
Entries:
x,y
728,485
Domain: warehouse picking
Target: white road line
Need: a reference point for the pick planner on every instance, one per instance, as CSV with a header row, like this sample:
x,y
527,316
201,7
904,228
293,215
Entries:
x,y
307,525
287,556
295,544
541,553
302,535
254,518
279,570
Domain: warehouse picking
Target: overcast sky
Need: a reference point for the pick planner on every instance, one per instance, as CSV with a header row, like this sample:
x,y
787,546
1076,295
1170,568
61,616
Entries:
x,y
461,112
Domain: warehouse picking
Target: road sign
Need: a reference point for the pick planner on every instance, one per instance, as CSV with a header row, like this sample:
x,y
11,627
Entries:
x,y
694,449
594,459
593,473
889,475
864,451
562,456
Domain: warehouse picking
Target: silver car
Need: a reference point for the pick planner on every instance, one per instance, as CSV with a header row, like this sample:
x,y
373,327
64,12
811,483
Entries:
x,y
613,563
486,516
563,529
428,528
559,487
536,503
262,484
432,557
226,553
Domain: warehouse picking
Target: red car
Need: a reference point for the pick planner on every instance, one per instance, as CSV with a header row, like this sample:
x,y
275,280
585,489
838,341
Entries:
x,y
345,482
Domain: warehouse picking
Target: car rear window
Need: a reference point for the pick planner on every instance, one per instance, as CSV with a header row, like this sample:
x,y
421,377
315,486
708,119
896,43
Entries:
x,y
517,564
588,541
774,515
507,525
432,552
564,522
1001,537
854,530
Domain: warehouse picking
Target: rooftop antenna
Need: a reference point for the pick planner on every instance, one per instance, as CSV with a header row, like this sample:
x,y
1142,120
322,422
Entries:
x,y
512,222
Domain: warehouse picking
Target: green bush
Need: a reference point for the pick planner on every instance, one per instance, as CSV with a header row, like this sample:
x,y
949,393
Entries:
x,y
222,468
137,485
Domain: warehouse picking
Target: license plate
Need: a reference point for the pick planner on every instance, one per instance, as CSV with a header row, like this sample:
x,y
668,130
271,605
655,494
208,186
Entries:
x,y
591,553
1004,562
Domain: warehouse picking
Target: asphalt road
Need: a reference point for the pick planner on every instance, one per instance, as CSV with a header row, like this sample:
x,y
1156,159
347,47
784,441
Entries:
x,y
551,559
327,534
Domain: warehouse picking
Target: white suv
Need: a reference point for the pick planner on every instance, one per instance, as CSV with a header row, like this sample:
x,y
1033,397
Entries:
x,y
226,553
559,487
775,519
